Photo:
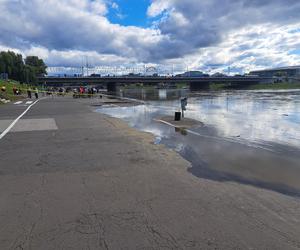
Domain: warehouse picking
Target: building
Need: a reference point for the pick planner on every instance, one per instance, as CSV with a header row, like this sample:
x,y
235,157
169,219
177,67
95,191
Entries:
x,y
193,74
282,72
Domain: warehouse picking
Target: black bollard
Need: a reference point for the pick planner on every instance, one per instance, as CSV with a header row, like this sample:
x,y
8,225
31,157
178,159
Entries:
x,y
177,116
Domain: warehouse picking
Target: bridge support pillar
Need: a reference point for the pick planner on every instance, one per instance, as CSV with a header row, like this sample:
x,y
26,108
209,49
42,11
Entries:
x,y
196,86
112,87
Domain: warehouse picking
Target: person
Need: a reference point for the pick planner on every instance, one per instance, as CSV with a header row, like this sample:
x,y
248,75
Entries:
x,y
81,91
75,93
15,90
60,91
36,93
29,93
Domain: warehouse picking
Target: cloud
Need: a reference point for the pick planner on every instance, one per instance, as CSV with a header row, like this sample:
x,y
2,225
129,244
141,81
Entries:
x,y
246,49
158,7
196,24
68,25
240,33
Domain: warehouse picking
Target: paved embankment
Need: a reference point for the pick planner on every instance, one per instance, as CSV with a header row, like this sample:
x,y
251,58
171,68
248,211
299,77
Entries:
x,y
74,179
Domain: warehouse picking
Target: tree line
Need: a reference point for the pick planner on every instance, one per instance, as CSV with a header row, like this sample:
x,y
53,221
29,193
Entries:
x,y
23,70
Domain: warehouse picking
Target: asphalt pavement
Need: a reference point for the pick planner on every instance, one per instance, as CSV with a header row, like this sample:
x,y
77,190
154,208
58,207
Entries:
x,y
71,178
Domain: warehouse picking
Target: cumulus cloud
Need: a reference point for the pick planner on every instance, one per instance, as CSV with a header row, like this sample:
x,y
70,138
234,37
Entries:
x,y
158,7
203,34
68,25
195,24
246,49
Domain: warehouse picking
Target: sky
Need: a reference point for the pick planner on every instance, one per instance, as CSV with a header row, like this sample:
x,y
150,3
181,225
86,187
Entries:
x,y
206,35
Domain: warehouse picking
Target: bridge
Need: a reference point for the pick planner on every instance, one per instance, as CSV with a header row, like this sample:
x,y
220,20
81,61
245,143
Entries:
x,y
196,83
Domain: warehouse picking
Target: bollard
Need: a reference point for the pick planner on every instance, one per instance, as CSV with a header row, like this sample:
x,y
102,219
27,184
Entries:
x,y
177,116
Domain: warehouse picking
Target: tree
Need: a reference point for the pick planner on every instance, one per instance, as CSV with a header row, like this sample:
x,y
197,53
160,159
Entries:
x,y
38,64
28,75
13,64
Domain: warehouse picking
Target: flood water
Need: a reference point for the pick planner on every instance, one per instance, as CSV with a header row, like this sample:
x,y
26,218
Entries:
x,y
248,137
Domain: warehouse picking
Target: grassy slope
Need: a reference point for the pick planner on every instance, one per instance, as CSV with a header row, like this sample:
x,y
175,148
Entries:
x,y
9,89
223,86
284,85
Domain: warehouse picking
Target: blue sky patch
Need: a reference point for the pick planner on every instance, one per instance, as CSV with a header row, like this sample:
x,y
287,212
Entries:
x,y
295,31
130,13
295,52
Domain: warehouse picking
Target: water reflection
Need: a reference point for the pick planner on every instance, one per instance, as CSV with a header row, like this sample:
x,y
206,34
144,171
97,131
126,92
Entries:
x,y
256,116
253,116
153,94
240,125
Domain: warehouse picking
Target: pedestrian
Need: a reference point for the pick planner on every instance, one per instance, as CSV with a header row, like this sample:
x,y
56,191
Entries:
x,y
81,91
60,91
29,93
36,93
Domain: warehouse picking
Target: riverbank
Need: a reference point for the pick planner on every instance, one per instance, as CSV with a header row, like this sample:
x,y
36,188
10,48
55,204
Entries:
x,y
260,86
95,183
275,86
220,86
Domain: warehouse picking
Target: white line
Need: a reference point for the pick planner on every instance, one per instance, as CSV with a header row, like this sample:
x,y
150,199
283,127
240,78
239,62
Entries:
x,y
167,123
29,102
15,121
19,102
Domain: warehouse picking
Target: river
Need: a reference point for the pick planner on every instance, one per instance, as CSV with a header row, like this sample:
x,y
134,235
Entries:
x,y
248,137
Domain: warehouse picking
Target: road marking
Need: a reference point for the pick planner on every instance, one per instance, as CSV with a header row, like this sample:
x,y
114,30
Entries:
x,y
19,102
167,123
27,125
15,121
29,102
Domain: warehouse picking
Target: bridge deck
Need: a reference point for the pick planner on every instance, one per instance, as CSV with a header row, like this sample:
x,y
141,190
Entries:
x,y
149,80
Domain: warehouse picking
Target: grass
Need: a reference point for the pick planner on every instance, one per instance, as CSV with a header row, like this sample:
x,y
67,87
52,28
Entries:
x,y
8,94
218,86
181,85
282,85
260,86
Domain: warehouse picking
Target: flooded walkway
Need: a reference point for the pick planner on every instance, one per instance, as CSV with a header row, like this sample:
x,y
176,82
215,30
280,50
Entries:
x,y
249,137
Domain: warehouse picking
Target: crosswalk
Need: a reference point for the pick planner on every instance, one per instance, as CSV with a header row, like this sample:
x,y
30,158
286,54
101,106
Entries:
x,y
23,103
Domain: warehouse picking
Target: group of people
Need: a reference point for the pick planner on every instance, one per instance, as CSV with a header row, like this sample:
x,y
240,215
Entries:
x,y
35,91
80,92
84,92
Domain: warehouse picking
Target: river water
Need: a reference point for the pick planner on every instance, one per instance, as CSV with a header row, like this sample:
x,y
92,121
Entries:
x,y
248,137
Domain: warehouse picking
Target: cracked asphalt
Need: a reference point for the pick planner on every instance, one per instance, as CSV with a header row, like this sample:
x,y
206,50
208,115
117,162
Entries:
x,y
95,183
